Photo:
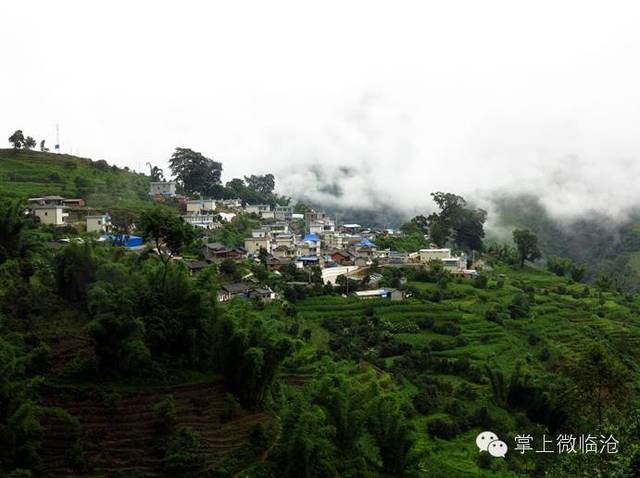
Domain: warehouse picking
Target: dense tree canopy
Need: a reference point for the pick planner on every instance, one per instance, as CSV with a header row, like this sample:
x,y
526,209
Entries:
x,y
456,223
526,245
195,172
17,139
168,232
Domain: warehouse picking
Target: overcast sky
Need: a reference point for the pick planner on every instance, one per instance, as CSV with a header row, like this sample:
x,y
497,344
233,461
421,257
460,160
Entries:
x,y
384,100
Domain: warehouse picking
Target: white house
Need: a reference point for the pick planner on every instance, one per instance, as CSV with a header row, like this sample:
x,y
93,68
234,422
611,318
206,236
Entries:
x,y
284,240
52,215
199,206
256,208
254,244
427,255
283,212
98,223
280,227
454,264
231,203
163,188
204,221
261,233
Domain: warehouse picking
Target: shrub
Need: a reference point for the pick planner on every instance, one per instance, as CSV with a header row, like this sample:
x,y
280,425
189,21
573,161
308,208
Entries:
x,y
519,306
437,345
461,341
544,355
484,461
577,273
465,391
165,416
480,281
492,315
560,266
443,428
183,457
424,323
258,437
231,407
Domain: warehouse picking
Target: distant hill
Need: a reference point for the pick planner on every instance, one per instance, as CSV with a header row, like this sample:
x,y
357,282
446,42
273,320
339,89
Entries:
x,y
26,174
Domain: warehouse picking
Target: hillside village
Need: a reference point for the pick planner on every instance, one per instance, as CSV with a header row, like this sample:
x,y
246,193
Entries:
x,y
284,239
223,322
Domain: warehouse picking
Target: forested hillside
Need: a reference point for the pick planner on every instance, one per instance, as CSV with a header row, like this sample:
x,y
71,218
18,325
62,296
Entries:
x,y
120,362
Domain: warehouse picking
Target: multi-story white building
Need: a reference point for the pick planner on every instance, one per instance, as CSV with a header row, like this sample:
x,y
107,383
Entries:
x,y
163,188
283,213
254,244
200,206
52,215
204,221
257,208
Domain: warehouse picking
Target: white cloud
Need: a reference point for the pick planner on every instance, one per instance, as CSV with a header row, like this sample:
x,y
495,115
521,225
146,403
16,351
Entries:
x,y
406,98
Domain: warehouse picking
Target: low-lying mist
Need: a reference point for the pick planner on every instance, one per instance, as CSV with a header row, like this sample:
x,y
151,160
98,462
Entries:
x,y
378,156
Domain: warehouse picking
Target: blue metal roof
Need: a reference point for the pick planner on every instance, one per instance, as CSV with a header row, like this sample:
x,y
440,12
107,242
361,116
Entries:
x,y
365,243
311,237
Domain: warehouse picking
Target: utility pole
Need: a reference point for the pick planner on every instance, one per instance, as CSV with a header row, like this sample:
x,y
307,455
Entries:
x,y
57,145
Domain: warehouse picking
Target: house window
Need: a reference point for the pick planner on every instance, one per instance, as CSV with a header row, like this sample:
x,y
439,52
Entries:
x,y
46,213
99,222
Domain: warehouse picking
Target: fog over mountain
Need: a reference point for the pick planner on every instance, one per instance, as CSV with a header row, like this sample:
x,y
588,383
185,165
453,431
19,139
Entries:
x,y
349,106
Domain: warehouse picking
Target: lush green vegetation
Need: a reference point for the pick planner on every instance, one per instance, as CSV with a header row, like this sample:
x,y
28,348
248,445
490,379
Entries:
x,y
524,352
26,173
600,244
124,364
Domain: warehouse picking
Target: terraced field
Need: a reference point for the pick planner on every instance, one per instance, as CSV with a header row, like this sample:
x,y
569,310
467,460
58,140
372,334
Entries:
x,y
120,429
33,173
563,320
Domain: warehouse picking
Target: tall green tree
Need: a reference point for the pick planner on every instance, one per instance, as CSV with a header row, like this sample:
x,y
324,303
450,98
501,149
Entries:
x,y
20,428
526,245
155,172
392,432
15,241
251,351
17,139
29,143
168,231
118,344
75,268
455,221
195,172
603,383
262,184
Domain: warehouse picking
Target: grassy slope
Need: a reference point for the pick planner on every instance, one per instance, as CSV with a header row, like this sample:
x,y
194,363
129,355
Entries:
x,y
563,324
32,173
